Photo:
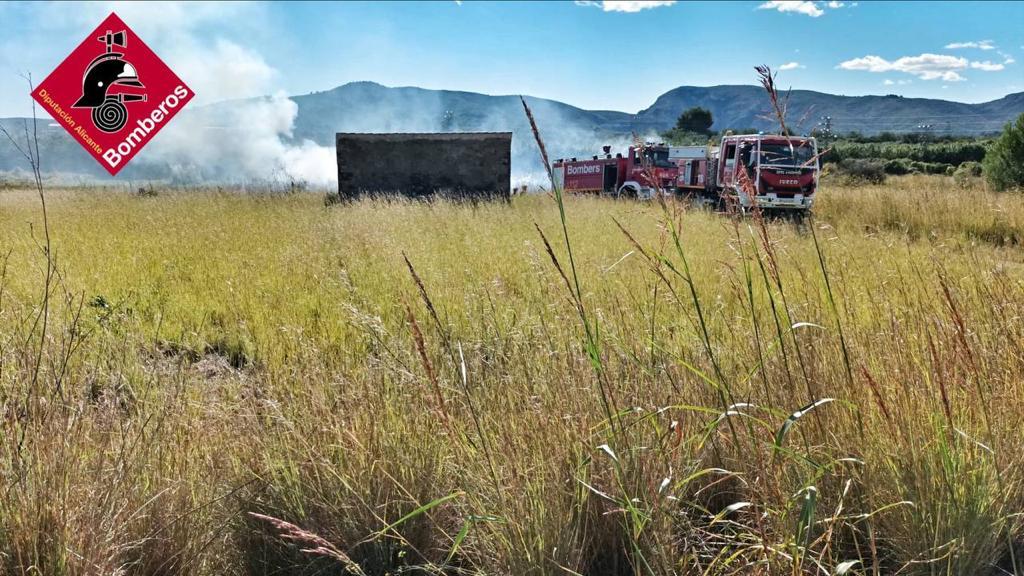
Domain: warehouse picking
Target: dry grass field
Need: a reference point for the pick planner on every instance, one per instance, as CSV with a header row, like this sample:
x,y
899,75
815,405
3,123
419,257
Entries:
x,y
226,383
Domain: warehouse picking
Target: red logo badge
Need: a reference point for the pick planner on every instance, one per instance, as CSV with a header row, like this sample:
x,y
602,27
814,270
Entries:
x,y
112,94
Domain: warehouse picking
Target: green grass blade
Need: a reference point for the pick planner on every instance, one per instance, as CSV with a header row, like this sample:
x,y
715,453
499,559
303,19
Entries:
x,y
795,416
421,510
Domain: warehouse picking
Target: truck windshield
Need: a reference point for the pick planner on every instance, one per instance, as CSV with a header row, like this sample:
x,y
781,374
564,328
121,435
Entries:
x,y
657,157
781,154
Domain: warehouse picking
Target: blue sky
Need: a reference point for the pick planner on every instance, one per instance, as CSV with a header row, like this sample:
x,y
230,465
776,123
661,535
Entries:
x,y
612,55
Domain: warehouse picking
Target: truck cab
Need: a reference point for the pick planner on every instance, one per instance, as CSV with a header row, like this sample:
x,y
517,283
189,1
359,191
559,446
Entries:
x,y
649,170
775,172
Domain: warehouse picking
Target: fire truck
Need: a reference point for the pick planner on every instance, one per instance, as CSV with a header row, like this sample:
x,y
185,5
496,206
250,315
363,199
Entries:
x,y
641,173
776,172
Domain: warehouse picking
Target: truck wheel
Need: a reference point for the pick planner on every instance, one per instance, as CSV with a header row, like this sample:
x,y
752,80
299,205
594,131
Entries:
x,y
628,191
708,203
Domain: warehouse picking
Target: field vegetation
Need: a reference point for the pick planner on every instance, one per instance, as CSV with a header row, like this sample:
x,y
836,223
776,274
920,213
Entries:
x,y
224,383
951,153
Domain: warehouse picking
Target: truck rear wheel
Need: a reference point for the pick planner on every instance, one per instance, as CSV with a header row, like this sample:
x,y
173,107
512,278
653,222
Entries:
x,y
710,203
628,191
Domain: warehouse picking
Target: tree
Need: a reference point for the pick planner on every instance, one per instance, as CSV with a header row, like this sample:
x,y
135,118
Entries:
x,y
1004,161
696,119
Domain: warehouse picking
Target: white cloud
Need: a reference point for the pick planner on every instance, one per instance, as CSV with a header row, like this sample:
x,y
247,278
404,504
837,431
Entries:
x,y
630,6
888,82
798,6
835,4
980,44
925,66
987,66
791,66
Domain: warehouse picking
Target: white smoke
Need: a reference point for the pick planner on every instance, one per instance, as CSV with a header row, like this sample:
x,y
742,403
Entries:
x,y
241,141
249,139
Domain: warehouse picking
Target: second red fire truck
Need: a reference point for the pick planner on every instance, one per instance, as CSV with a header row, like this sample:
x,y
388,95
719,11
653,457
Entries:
x,y
641,173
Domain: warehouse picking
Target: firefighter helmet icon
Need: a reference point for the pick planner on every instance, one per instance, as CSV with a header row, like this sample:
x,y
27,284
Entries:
x,y
106,70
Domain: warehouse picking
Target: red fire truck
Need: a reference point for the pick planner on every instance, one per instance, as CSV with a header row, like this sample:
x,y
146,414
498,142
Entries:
x,y
640,174
775,172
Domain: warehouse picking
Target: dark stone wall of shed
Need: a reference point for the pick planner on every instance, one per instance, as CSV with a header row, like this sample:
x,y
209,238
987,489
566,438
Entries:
x,y
461,166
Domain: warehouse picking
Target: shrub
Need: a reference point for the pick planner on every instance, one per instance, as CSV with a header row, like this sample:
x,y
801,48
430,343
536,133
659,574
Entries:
x,y
928,167
863,170
679,137
1004,163
897,167
966,172
973,169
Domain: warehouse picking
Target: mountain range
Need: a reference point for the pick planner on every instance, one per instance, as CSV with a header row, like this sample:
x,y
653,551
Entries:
x,y
568,130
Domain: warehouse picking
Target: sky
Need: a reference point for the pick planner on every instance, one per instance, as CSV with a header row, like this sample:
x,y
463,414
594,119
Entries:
x,y
595,55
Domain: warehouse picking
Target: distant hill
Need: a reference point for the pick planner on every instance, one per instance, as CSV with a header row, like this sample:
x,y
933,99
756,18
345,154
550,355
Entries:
x,y
746,106
370,107
568,131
